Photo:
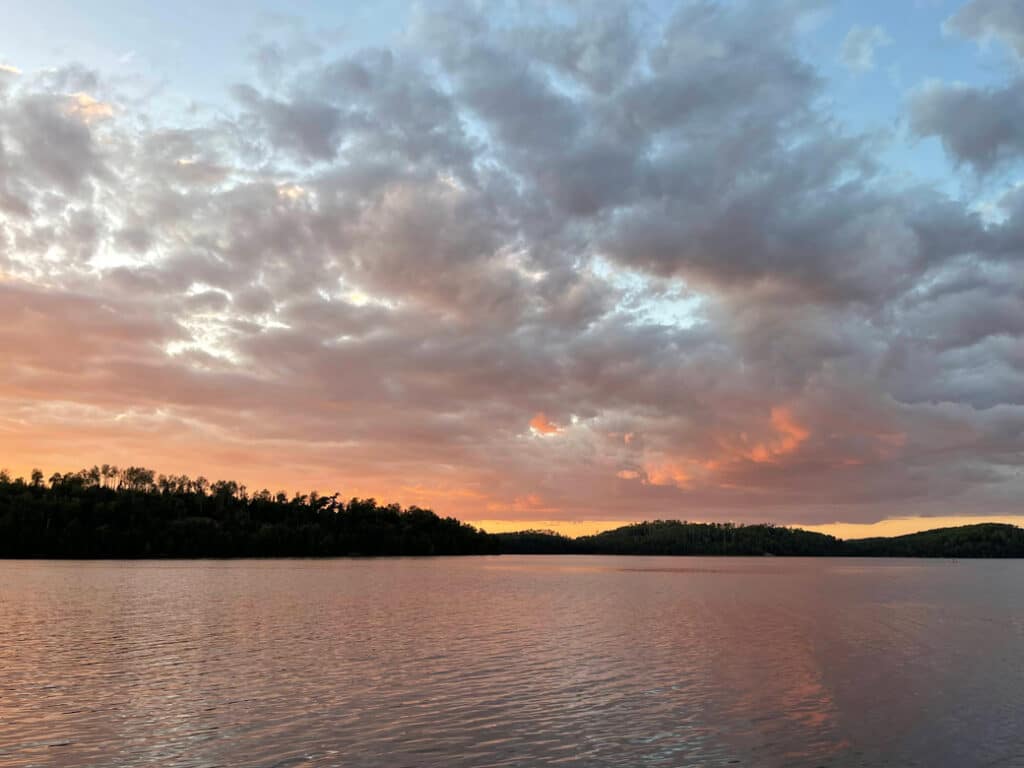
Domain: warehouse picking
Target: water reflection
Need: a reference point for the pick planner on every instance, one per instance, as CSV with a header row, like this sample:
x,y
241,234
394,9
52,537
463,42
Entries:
x,y
511,662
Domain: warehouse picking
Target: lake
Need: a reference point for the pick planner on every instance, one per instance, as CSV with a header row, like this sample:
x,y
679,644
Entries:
x,y
512,661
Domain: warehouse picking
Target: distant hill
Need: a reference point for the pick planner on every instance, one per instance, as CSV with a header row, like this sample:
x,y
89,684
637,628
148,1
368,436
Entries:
x,y
980,540
671,537
133,512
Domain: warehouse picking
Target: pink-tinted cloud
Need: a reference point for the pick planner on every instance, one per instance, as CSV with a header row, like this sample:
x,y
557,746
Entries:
x,y
438,276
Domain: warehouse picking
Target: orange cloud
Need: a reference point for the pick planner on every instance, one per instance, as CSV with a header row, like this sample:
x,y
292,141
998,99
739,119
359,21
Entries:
x,y
790,436
688,472
542,426
668,472
442,496
528,505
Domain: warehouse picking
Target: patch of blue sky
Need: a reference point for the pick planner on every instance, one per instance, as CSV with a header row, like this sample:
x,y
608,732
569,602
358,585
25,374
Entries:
x,y
651,301
874,100
194,46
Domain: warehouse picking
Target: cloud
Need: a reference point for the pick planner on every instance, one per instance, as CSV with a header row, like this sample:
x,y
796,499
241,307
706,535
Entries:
x,y
981,20
308,128
857,53
979,127
542,426
391,271
789,437
88,109
52,147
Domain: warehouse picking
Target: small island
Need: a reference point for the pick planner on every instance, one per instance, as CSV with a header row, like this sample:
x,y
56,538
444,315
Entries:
x,y
108,512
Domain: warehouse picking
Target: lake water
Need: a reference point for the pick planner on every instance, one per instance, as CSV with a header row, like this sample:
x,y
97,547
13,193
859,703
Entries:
x,y
512,661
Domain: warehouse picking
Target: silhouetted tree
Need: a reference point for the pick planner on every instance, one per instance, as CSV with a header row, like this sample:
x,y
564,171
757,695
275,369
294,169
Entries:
x,y
132,512
110,512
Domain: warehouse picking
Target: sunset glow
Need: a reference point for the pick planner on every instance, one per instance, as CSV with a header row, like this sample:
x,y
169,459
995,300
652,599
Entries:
x,y
677,263
461,383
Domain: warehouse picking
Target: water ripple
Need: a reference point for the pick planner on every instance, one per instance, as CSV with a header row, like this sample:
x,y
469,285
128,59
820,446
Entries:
x,y
512,661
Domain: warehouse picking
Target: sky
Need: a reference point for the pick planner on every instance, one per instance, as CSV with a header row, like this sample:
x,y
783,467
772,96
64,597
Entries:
x,y
530,264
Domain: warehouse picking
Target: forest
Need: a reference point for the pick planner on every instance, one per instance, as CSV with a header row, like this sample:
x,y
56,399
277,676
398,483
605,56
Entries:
x,y
133,512
672,537
112,512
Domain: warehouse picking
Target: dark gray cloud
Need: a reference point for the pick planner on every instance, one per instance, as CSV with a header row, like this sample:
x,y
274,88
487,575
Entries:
x,y
599,49
308,128
1001,20
979,127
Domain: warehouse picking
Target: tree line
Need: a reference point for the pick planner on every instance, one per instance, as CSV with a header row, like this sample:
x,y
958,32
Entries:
x,y
672,537
108,511
132,512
